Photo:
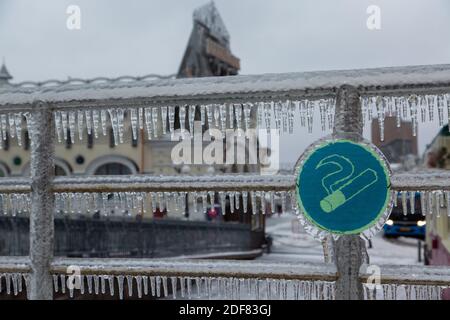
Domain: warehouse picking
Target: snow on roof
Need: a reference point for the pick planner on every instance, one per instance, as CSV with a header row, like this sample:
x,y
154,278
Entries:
x,y
406,78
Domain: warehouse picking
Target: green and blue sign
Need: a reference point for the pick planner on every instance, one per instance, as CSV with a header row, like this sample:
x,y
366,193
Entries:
x,y
343,186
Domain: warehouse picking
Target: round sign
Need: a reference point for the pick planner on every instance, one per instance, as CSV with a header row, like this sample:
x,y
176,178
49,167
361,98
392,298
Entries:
x,y
343,186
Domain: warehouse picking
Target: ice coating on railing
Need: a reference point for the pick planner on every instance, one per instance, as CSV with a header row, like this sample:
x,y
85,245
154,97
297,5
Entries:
x,y
186,288
137,203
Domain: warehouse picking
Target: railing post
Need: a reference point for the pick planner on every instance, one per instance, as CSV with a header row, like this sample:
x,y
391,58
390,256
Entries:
x,y
41,218
349,250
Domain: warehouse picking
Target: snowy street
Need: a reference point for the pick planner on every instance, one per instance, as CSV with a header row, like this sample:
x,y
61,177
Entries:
x,y
292,243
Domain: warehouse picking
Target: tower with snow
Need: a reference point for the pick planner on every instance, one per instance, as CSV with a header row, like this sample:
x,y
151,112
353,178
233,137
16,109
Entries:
x,y
208,51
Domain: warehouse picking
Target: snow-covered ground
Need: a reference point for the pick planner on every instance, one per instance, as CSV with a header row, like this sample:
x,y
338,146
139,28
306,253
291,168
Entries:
x,y
292,243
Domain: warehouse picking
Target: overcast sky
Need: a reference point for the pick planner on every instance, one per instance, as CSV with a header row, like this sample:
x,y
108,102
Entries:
x,y
137,37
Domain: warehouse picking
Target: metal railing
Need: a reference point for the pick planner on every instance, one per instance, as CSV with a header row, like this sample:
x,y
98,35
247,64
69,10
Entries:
x,y
40,103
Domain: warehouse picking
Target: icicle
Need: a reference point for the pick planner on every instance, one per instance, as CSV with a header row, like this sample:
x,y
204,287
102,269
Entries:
x,y
440,104
267,115
413,110
209,115
72,126
111,285
211,195
447,196
222,201
404,203
120,125
11,123
237,197
244,201
171,119
55,283
145,284
173,282
253,201
130,285
223,118
96,121
380,111
164,119
182,118
165,289
64,124
153,286
231,197
412,201
262,197
202,115
114,124
18,125
430,202
291,116
134,122
423,202
430,100
277,115
80,124
216,115
283,201
447,97
155,121
103,120
88,116
96,284
182,281
322,114
191,117
310,114
148,122
247,115
89,283
120,280
57,115
231,115
238,115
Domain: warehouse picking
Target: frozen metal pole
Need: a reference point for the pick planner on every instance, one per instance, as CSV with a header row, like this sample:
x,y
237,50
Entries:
x,y
349,250
41,218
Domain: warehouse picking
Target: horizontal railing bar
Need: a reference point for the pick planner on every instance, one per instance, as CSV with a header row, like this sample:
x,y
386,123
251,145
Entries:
x,y
390,81
198,268
150,183
14,265
422,181
409,275
415,181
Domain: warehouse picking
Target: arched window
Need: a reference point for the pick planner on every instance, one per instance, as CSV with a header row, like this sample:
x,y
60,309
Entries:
x,y
62,168
112,168
112,165
4,170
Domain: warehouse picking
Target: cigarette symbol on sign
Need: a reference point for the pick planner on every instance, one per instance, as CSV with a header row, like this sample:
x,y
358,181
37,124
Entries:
x,y
341,185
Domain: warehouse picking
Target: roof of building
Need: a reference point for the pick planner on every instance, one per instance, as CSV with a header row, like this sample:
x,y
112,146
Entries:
x,y
209,16
4,74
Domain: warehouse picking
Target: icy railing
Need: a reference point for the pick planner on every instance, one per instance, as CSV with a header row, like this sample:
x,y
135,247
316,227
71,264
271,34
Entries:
x,y
406,282
273,101
209,279
221,102
200,279
188,279
144,193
